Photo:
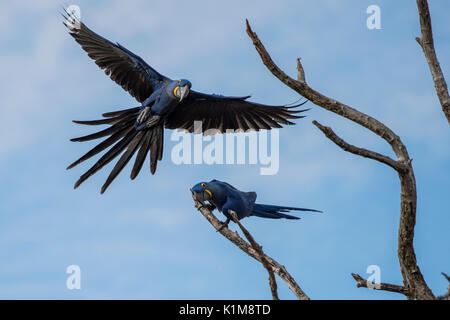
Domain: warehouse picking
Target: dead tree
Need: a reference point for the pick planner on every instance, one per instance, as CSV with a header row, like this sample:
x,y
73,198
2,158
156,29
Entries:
x,y
414,285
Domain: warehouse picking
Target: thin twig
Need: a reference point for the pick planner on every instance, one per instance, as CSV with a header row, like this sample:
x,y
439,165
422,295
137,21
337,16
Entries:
x,y
329,133
300,71
363,283
258,248
234,237
445,296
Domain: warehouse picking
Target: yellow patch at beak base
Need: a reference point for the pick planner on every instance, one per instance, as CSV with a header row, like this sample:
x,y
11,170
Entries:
x,y
209,192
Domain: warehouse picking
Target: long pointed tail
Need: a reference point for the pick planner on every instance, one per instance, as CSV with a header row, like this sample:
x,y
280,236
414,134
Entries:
x,y
276,212
123,136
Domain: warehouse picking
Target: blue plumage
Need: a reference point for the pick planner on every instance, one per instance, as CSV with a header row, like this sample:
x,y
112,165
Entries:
x,y
225,197
165,103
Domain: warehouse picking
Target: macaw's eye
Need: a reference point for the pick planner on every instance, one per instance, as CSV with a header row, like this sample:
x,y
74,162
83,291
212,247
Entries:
x,y
203,185
179,81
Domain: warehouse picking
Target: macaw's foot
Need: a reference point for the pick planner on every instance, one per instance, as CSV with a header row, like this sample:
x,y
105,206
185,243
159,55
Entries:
x,y
143,115
200,205
224,224
146,119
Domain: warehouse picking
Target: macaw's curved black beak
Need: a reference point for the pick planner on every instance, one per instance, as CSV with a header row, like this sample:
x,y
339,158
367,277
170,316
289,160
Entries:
x,y
203,195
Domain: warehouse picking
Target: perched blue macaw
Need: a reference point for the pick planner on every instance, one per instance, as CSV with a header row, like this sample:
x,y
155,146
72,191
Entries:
x,y
165,103
225,197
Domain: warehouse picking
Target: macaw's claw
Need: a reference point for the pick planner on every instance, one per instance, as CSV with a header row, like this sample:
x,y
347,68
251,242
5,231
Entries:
x,y
224,224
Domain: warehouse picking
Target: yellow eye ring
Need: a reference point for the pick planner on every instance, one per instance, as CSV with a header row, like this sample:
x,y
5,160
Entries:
x,y
203,185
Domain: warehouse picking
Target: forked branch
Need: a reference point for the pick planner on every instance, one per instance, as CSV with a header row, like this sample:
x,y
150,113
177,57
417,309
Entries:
x,y
234,237
258,248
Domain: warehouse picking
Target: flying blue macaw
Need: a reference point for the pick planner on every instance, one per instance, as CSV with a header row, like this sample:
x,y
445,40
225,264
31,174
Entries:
x,y
165,103
225,197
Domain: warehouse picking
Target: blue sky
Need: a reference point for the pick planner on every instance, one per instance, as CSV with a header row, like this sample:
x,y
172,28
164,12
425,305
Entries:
x,y
143,239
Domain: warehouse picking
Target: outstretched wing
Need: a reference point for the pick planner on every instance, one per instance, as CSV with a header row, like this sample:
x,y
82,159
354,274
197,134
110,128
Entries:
x,y
128,70
222,113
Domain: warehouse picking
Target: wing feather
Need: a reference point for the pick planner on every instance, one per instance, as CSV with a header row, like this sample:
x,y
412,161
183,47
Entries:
x,y
124,67
141,155
222,113
124,159
107,157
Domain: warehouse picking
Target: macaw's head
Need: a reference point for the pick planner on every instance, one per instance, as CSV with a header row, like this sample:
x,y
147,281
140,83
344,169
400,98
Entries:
x,y
201,191
182,88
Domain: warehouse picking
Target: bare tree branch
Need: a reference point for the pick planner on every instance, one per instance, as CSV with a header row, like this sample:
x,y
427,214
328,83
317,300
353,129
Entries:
x,y
300,72
329,133
258,248
445,296
446,276
412,276
327,103
363,283
279,269
427,44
